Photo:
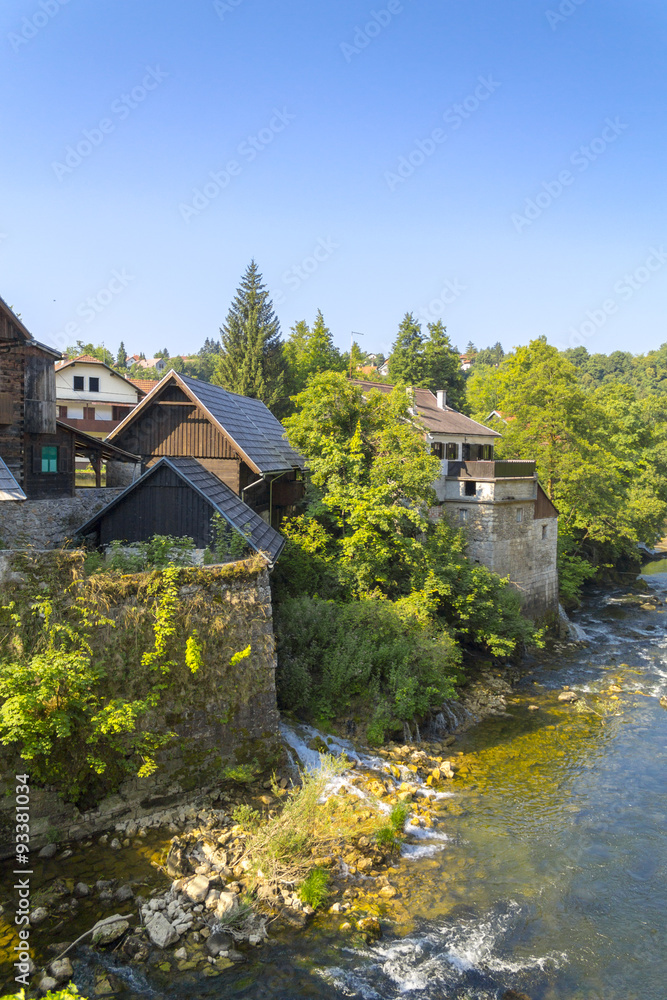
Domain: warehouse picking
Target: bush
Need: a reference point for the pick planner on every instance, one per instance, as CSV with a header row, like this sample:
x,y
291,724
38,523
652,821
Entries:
x,y
330,654
313,891
247,817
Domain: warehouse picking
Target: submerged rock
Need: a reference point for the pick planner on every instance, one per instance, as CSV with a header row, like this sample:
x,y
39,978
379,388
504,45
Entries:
x,y
568,696
48,851
108,933
61,970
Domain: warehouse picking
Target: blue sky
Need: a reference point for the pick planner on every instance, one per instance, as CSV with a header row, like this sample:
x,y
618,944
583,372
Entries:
x,y
497,165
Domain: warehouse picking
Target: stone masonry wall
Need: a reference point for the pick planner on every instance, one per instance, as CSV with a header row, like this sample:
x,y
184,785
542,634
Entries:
x,y
223,714
46,524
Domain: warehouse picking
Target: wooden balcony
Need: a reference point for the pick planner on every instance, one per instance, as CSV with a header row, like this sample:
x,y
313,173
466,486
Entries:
x,y
90,426
495,469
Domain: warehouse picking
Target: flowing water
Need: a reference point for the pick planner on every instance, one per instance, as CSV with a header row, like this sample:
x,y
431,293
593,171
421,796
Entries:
x,y
546,871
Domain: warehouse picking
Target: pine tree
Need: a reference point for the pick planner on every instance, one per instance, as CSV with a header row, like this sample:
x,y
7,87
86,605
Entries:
x,y
251,361
121,357
406,363
442,368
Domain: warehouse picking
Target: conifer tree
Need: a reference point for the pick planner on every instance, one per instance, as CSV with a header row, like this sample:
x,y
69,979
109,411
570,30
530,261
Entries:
x,y
443,366
121,357
310,351
251,361
406,363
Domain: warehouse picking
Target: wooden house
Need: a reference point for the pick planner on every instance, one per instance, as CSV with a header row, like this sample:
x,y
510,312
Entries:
x,y
235,438
179,497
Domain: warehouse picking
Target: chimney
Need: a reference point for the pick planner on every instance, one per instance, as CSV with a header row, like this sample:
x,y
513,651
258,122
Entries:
x,y
441,396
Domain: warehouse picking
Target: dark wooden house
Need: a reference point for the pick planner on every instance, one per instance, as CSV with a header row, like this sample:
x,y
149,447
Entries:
x,y
235,438
178,496
37,451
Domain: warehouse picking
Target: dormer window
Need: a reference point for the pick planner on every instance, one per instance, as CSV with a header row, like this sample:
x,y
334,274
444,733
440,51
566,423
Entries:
x,y
78,383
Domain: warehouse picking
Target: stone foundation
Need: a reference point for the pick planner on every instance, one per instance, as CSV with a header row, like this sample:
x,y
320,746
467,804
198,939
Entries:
x,y
46,524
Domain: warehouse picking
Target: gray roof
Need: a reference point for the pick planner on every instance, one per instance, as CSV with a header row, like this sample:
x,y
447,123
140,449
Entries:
x,y
436,419
9,488
250,424
261,536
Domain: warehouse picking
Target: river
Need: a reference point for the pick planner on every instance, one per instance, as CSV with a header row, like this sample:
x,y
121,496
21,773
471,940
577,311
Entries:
x,y
546,871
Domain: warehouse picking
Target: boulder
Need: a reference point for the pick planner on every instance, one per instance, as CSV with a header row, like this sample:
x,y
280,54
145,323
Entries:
x,y
108,933
568,696
47,984
161,932
38,915
370,928
227,903
124,894
197,888
61,970
48,851
81,890
217,942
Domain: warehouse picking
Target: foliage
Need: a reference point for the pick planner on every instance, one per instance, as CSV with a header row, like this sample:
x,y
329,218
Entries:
x,y
100,352
251,361
242,774
247,817
390,836
427,362
406,361
66,993
313,891
310,352
228,542
158,552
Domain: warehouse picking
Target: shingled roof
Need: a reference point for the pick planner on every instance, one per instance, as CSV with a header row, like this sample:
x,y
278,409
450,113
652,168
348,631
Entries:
x,y
247,422
261,536
436,419
9,488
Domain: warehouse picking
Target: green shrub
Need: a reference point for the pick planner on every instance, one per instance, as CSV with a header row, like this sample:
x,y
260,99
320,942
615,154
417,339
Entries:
x,y
157,553
313,891
242,774
398,816
247,817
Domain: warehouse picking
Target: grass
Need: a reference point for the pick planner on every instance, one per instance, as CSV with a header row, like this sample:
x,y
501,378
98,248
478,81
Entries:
x,y
390,836
313,891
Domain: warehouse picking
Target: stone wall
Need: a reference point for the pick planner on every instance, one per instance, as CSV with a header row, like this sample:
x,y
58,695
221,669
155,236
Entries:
x,y
223,714
46,524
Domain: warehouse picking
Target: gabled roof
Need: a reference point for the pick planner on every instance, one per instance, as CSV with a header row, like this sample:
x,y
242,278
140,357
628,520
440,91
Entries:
x,y
248,423
146,385
25,333
261,536
9,488
435,419
88,359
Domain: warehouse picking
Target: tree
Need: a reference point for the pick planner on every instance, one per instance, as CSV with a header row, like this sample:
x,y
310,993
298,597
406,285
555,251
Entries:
x,y
100,352
251,360
443,366
406,362
121,357
309,352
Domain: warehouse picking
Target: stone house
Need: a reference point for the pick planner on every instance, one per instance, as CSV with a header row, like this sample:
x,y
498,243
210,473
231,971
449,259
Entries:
x,y
510,523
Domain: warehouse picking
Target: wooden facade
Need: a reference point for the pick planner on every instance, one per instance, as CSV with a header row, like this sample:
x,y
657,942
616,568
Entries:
x,y
38,453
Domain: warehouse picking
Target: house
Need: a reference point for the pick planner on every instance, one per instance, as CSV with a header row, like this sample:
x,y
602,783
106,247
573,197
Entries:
x,y
92,397
37,451
384,369
235,438
465,362
178,496
159,364
510,523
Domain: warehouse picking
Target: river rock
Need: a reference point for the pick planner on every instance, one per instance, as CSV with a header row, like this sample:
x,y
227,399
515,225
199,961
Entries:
x,y
108,933
197,888
388,891
513,995
161,932
81,889
227,903
568,696
124,894
38,915
48,851
181,954
61,970
47,984
115,844
217,942
663,701
370,928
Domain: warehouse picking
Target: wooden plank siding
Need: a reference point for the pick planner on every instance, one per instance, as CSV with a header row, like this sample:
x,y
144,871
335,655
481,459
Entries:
x,y
164,505
164,429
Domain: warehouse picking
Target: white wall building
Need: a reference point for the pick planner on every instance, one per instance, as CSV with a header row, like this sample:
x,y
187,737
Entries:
x,y
92,397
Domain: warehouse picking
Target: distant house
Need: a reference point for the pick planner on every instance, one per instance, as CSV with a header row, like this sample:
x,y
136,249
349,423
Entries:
x,y
510,523
178,496
92,397
384,369
159,364
465,362
235,438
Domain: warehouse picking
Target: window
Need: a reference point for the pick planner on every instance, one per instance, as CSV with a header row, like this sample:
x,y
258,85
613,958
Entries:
x,y
89,413
119,412
487,452
49,458
470,488
519,516
452,451
62,413
93,385
463,514
544,531
438,449
78,383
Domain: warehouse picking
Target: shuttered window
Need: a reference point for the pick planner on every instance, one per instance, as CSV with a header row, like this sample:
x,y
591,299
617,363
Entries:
x,y
49,458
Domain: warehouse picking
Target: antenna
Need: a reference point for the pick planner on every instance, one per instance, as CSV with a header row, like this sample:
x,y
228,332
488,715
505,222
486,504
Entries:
x,y
354,333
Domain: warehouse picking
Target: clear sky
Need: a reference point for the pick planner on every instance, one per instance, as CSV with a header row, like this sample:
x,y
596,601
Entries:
x,y
497,163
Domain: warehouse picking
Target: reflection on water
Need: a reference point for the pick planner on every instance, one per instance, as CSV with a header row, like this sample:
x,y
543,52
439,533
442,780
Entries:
x,y
552,879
